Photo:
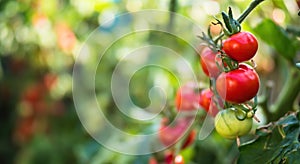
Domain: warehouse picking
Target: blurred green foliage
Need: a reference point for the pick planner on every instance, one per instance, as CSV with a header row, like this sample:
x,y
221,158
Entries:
x,y
39,41
276,143
283,44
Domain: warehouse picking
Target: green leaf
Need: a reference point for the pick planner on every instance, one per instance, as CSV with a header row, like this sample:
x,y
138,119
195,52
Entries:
x,y
227,22
277,38
276,143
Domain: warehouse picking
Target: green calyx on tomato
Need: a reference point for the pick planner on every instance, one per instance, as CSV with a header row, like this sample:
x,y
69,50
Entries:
x,y
229,126
232,25
238,86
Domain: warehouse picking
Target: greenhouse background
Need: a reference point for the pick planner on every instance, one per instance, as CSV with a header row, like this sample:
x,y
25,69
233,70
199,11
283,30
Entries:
x,y
41,41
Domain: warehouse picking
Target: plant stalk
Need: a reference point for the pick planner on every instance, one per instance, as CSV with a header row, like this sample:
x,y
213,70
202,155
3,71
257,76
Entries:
x,y
242,17
172,9
252,5
289,93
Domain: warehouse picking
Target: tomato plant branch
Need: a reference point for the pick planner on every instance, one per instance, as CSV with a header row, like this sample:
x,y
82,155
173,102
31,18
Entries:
x,y
252,5
288,95
172,9
240,19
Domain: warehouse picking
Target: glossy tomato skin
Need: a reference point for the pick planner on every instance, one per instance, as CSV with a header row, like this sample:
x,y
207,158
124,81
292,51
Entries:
x,y
179,159
205,98
168,159
170,134
208,62
206,102
187,97
190,139
228,126
239,85
152,160
241,46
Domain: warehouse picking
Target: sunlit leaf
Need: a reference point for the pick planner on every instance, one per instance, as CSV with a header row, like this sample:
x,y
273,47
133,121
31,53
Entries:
x,y
277,38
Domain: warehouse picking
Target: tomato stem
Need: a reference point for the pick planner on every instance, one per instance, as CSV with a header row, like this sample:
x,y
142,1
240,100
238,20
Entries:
x,y
172,9
288,95
213,42
229,64
238,141
256,119
240,114
252,5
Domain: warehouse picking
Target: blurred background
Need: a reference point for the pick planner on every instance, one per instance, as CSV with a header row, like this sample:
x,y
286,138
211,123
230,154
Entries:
x,y
39,42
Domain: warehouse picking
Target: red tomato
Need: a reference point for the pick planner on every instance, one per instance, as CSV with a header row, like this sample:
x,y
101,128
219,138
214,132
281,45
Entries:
x,y
33,93
40,20
190,139
25,129
169,159
17,66
187,97
239,85
50,80
152,160
66,38
170,134
208,62
206,103
241,46
205,98
178,159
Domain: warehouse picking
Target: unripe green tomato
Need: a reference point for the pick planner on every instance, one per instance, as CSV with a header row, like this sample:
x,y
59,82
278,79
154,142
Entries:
x,y
228,126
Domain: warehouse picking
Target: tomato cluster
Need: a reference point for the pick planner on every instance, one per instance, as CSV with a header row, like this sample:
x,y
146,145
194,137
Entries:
x,y
189,98
234,81
170,133
233,86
